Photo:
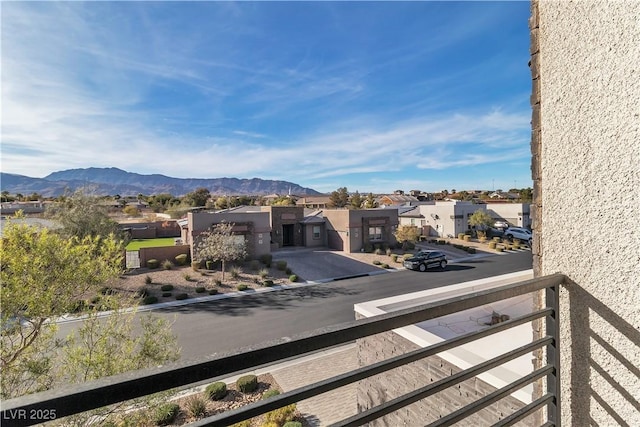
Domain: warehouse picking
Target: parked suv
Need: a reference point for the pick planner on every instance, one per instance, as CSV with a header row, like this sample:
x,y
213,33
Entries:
x,y
426,259
518,233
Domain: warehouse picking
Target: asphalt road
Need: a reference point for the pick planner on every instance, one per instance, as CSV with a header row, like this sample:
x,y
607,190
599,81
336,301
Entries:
x,y
228,324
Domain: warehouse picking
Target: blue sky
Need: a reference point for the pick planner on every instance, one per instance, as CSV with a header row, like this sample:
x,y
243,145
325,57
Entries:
x,y
372,96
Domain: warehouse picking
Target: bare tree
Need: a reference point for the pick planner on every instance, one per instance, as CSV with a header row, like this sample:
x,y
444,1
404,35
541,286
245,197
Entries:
x,y
220,244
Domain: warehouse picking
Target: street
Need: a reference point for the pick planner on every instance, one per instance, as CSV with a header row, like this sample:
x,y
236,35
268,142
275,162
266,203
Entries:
x,y
231,323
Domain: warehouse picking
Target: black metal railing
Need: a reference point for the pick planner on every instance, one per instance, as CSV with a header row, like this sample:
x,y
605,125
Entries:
x,y
76,399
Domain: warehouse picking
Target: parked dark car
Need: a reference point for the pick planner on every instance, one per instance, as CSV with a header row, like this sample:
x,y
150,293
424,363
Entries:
x,y
423,260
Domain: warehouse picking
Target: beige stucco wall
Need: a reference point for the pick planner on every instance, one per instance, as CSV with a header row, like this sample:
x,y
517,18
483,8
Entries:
x,y
589,68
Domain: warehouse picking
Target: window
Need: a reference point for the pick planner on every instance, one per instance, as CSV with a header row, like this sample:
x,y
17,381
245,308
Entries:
x,y
375,233
413,221
316,231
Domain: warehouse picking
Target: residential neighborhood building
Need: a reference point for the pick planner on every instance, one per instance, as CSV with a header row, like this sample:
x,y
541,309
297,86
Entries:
x,y
516,214
440,218
314,202
350,230
267,228
395,199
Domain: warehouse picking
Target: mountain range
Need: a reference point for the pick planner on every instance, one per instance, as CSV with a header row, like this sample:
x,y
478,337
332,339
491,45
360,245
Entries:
x,y
112,181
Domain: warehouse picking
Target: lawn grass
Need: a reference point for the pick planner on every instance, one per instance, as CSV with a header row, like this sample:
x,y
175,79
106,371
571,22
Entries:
x,y
136,244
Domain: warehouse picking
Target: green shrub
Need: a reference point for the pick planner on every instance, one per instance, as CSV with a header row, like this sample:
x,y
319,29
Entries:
x,y
105,290
376,262
166,414
394,258
263,273
242,287
287,271
378,251
235,272
200,289
196,406
254,265
499,249
247,383
182,296
149,299
471,250
153,263
181,259
216,391
270,393
293,278
213,291
388,251
95,299
166,294
407,256
292,424
148,280
497,239
384,265
281,265
209,264
195,265
422,238
167,265
166,287
281,415
492,245
187,277
268,283
142,293
217,282
79,306
266,259
461,236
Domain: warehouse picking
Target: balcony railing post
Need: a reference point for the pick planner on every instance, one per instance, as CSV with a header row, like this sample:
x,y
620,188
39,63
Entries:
x,y
552,295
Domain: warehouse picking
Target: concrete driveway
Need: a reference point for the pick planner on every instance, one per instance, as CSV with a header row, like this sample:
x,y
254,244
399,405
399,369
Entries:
x,y
322,264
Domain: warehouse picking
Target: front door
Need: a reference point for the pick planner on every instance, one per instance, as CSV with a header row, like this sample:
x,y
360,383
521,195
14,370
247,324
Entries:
x,y
287,235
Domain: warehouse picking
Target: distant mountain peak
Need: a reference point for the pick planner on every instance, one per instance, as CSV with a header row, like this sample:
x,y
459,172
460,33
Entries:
x,y
112,180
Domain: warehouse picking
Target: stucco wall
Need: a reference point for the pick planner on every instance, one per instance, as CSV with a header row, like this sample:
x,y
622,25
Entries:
x,y
589,172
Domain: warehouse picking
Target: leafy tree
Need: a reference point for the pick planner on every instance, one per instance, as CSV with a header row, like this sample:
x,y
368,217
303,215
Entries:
x,y
198,197
339,198
82,215
220,244
526,195
407,234
45,275
284,201
481,220
6,197
161,202
356,201
370,202
221,203
131,211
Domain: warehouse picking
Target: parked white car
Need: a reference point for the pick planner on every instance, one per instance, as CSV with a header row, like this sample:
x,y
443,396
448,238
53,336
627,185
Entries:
x,y
500,224
521,234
